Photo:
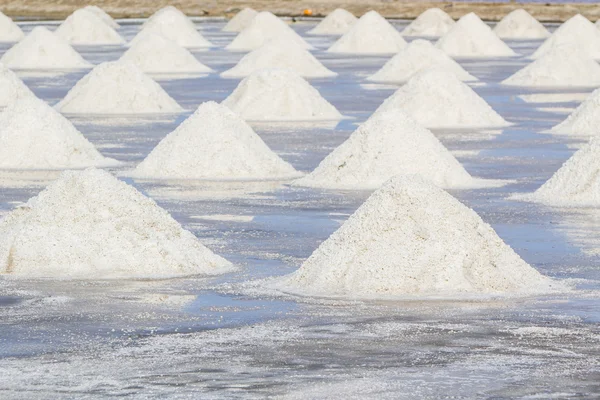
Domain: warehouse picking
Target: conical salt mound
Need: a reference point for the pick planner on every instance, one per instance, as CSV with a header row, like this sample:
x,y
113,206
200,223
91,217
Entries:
x,y
35,136
519,24
279,53
9,31
11,87
437,99
117,88
471,37
418,56
432,23
83,27
585,120
337,22
577,31
42,49
241,20
213,143
371,34
90,225
279,95
103,15
411,238
170,13
264,27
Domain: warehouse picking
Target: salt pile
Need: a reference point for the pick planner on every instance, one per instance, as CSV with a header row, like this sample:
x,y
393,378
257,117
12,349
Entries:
x,y
279,95
103,15
576,31
9,31
471,37
371,34
433,22
83,27
417,56
90,225
241,20
585,120
170,13
437,99
42,49
279,53
519,24
117,88
11,87
337,22
213,143
411,238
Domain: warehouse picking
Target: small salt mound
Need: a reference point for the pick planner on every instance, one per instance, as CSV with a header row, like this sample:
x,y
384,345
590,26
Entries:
x,y
437,99
371,34
519,24
42,49
11,87
417,56
83,27
172,13
279,53
9,31
576,31
241,20
337,22
585,120
411,238
103,15
471,37
279,95
90,225
433,22
117,88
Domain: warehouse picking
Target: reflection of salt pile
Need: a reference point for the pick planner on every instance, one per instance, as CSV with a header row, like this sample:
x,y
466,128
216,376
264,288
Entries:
x,y
89,225
11,87
35,136
432,22
437,99
9,31
471,37
279,95
577,31
42,49
117,88
417,56
371,34
103,15
412,238
83,27
585,120
241,20
213,143
337,22
519,24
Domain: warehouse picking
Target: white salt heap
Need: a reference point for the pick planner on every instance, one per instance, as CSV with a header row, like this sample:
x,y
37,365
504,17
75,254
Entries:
x,y
337,22
519,24
84,27
213,143
11,87
241,20
437,99
279,95
432,23
9,31
171,13
576,31
278,53
90,225
584,121
35,136
103,15
117,87
417,56
42,49
371,34
411,238
471,37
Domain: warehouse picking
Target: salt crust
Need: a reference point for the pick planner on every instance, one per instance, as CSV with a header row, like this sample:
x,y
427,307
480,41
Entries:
x,y
90,225
584,121
84,27
576,31
337,22
433,22
11,87
519,24
241,20
103,15
9,31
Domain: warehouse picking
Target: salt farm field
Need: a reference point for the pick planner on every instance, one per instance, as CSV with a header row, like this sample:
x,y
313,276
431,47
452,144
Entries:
x,y
227,337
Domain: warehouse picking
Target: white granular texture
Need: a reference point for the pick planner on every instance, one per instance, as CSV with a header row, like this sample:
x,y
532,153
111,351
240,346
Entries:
x,y
42,49
84,27
90,225
411,238
11,87
471,37
279,95
278,53
337,22
103,15
35,136
417,56
519,24
241,20
577,31
371,34
584,121
213,143
432,23
437,99
117,87
9,31
170,12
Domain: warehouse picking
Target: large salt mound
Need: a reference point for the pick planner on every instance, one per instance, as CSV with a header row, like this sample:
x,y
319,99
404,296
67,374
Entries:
x,y
337,22
103,15
411,238
577,31
585,120
371,34
417,56
11,87
519,24
241,20
437,99
83,27
117,88
9,31
42,49
279,95
432,22
90,225
471,37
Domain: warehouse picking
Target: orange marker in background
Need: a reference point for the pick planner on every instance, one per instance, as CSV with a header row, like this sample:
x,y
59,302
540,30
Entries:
x,y
307,12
